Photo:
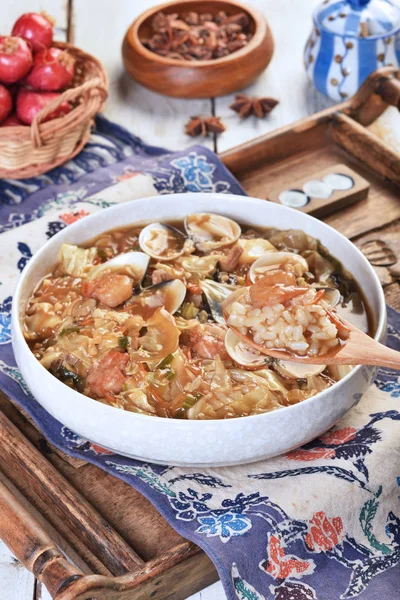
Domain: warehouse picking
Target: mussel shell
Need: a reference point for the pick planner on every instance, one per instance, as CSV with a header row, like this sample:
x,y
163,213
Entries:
x,y
275,260
210,231
242,353
215,294
163,234
134,264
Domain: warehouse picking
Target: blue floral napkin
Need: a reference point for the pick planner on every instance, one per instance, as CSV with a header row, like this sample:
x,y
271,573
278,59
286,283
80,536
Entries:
x,y
319,523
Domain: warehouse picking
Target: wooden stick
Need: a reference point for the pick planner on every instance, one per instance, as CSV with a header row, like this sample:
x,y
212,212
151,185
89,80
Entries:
x,y
32,546
361,143
21,460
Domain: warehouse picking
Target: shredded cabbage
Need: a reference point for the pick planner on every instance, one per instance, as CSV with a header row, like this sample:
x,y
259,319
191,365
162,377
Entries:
x,y
76,261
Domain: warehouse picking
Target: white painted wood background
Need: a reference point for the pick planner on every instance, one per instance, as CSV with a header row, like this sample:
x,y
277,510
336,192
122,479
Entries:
x,y
98,26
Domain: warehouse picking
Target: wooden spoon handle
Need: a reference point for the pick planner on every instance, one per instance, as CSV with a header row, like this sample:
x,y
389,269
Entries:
x,y
382,357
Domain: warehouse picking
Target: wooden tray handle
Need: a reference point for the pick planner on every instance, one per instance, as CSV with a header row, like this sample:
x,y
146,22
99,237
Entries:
x,y
389,91
32,546
380,89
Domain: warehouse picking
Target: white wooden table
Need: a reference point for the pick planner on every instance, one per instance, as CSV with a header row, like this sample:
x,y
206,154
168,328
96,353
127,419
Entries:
x,y
98,26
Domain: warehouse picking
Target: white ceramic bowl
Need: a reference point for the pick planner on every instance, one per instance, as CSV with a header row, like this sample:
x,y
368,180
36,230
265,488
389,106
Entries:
x,y
182,442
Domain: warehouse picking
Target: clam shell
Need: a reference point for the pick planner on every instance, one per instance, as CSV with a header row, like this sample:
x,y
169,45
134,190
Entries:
x,y
210,231
296,370
275,260
332,296
242,353
162,242
253,249
169,294
134,264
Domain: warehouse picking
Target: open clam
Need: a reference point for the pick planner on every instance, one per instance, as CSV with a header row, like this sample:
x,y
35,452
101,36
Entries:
x,y
253,249
215,294
201,265
161,338
169,294
288,261
249,357
296,370
133,264
210,231
163,242
242,353
331,296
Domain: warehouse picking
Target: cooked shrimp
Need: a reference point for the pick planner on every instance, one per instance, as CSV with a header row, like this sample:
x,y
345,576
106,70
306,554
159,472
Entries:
x,y
276,287
112,289
229,262
343,330
107,377
207,341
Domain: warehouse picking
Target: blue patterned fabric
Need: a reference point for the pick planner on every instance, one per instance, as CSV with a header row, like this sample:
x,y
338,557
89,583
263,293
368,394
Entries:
x,y
320,523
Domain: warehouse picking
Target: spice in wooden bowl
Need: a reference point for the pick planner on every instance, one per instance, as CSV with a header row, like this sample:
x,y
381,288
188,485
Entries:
x,y
198,36
197,48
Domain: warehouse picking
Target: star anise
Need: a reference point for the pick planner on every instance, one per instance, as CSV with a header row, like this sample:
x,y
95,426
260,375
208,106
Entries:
x,y
203,126
259,107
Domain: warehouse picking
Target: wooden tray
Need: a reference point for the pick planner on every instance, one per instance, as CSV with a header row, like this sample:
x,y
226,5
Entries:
x,y
86,534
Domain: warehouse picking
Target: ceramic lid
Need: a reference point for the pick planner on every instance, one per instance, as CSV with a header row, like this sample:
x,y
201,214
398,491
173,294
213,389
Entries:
x,y
363,18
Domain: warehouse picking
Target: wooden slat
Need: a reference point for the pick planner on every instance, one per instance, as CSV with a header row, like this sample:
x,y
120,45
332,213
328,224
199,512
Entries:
x,y
124,508
20,461
35,549
84,561
365,146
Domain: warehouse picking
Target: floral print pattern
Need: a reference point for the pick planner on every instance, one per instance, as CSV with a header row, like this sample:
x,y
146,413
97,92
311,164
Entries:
x,y
324,533
278,529
282,566
5,321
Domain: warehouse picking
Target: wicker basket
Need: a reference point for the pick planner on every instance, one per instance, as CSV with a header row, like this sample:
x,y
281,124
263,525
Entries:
x,y
26,151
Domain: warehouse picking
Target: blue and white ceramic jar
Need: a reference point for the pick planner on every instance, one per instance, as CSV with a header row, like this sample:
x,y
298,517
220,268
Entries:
x,y
351,39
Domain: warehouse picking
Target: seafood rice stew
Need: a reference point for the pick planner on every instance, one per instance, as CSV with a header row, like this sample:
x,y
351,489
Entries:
x,y
133,318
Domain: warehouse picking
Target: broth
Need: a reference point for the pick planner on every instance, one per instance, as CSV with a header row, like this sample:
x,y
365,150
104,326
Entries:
x,y
152,339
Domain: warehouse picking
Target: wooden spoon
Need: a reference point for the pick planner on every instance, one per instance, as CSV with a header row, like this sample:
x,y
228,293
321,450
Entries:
x,y
357,349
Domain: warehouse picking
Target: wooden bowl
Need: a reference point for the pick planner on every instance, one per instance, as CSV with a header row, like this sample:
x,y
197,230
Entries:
x,y
202,78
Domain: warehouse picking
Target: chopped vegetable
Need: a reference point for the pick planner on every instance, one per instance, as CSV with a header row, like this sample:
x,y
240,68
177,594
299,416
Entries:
x,y
101,254
123,342
68,330
165,361
76,261
189,310
203,316
189,402
68,377
170,374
